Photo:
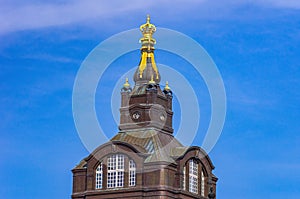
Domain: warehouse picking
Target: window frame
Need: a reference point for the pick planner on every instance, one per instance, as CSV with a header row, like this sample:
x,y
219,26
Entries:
x,y
115,171
193,176
99,176
184,178
202,184
131,173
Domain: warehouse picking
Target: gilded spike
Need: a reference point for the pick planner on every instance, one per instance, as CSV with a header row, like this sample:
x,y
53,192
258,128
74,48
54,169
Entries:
x,y
126,84
152,81
167,88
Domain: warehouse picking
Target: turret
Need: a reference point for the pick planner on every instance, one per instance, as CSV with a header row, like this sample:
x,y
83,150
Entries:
x,y
146,105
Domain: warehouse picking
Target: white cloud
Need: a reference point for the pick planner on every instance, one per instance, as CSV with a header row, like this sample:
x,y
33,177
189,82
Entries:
x,y
15,16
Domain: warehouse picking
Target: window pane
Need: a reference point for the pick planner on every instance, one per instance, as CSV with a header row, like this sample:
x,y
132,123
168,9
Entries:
x,y
193,176
202,184
132,173
115,171
99,176
183,184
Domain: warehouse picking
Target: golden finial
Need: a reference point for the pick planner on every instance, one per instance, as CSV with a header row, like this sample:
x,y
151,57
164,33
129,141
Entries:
x,y
148,26
126,83
147,29
152,81
167,88
147,55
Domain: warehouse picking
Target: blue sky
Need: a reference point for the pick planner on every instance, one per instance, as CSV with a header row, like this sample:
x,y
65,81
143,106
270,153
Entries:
x,y
255,45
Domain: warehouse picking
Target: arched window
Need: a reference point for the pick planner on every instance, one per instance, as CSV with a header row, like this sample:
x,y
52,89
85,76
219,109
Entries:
x,y
202,184
99,176
115,171
193,176
132,173
184,178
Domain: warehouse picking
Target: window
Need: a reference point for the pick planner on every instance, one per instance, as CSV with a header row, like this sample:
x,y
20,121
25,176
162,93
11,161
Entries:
x,y
183,184
115,171
99,176
132,173
150,147
193,176
202,184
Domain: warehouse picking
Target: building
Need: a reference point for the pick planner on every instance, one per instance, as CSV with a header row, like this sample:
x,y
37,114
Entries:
x,y
145,160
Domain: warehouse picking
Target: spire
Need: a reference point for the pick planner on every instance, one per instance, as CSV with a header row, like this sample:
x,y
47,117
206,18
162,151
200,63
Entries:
x,y
126,84
147,66
146,98
126,87
167,88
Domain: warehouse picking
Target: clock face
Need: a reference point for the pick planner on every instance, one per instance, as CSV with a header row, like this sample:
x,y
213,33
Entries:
x,y
162,117
136,115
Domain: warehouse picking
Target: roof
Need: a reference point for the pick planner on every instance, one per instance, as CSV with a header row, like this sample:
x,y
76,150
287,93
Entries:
x,y
159,145
141,89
